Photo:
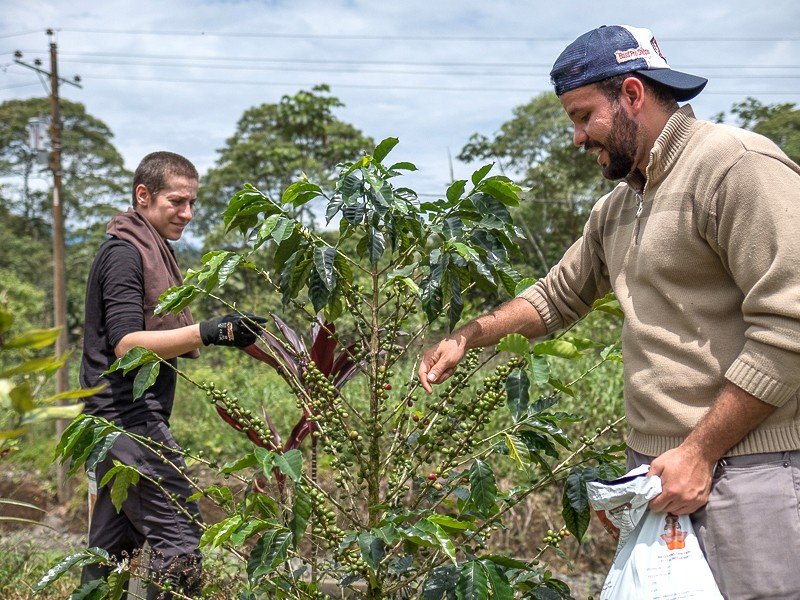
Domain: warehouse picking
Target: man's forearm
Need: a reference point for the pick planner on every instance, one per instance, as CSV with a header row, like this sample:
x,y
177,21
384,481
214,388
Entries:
x,y
734,414
515,316
686,471
167,344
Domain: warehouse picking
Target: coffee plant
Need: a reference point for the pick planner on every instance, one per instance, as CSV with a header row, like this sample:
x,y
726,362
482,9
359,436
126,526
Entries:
x,y
397,494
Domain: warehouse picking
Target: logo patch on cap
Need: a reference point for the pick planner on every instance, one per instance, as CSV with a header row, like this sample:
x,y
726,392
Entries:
x,y
623,56
654,44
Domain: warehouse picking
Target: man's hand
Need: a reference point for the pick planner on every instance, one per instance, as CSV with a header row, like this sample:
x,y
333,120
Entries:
x,y
440,361
234,329
685,480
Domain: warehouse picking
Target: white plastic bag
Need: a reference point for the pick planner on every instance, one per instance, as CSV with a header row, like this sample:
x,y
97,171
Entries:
x,y
658,556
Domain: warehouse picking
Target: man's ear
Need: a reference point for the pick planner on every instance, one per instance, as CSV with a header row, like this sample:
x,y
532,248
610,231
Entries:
x,y
632,93
142,196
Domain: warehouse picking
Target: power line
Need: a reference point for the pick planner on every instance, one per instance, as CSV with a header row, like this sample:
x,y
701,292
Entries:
x,y
359,61
385,87
382,37
353,69
19,33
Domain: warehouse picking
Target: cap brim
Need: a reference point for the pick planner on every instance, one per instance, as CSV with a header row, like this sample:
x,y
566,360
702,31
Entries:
x,y
684,86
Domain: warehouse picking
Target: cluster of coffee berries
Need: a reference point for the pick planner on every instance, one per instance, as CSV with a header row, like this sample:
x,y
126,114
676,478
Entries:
x,y
239,418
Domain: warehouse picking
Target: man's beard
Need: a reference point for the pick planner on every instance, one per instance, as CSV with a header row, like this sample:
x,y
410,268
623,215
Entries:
x,y
620,146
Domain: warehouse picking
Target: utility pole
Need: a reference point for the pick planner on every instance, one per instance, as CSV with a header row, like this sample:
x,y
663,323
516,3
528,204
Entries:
x,y
59,247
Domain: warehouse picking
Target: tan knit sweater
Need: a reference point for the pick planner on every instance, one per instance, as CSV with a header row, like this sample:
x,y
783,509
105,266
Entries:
x,y
708,275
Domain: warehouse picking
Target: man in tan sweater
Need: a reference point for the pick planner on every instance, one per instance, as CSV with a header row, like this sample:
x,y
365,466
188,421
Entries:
x,y
701,244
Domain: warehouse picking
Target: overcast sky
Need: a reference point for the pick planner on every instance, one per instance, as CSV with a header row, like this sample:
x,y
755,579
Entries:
x,y
178,74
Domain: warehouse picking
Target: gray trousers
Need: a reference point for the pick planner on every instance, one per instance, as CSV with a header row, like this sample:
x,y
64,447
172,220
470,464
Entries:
x,y
750,529
147,514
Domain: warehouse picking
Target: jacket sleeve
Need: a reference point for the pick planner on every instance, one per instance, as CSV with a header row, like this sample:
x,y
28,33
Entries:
x,y
758,236
567,292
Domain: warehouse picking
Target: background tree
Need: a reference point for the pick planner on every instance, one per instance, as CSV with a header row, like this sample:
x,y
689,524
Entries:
x,y
273,144
94,177
778,122
535,148
94,186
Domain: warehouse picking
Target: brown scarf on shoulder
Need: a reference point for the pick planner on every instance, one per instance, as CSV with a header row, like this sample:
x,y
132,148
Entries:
x,y
160,269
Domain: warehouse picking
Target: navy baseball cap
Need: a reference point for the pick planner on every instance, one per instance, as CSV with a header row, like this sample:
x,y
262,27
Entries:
x,y
616,49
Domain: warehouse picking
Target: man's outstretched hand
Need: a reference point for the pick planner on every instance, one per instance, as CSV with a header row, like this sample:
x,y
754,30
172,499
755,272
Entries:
x,y
439,362
233,329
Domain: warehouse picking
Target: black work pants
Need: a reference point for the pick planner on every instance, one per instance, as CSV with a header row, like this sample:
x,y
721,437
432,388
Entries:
x,y
148,514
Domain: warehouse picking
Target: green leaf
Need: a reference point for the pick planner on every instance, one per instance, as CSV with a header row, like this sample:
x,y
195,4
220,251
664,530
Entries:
x,y
91,590
516,343
34,339
377,246
609,304
46,365
575,501
611,353
498,584
405,166
524,284
283,230
49,413
324,257
456,190
506,561
248,529
444,541
483,489
539,369
10,434
301,512
448,522
124,476
300,193
456,301
473,582
373,549
517,398
269,552
176,298
561,348
478,175
440,583
72,394
266,229
243,462
266,458
516,450
22,397
290,464
133,358
383,149
73,433
318,292
145,378
116,585
220,532
79,559
504,191
98,453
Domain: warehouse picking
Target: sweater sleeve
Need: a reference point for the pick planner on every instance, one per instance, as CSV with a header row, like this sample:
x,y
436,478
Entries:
x,y
122,283
758,235
567,292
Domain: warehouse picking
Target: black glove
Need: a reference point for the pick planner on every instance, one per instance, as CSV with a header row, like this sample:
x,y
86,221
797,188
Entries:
x,y
231,330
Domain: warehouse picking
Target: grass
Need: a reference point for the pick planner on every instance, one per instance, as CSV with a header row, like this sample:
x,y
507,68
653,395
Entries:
x,y
23,562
